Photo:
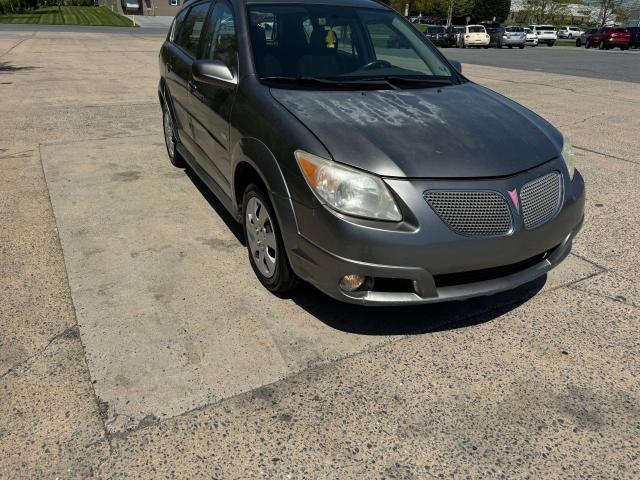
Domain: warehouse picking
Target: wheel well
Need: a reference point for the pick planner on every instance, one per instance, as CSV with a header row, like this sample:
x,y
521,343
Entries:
x,y
244,176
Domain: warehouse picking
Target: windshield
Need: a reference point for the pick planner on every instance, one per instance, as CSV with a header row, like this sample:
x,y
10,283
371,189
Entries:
x,y
340,43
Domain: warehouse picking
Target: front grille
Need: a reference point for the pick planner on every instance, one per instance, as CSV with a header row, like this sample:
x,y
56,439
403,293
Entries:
x,y
541,199
481,213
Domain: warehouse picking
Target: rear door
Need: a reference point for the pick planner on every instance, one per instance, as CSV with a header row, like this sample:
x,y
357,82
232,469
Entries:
x,y
212,103
182,51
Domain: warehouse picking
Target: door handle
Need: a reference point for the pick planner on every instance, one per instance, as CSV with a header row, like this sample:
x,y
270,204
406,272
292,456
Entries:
x,y
191,86
169,67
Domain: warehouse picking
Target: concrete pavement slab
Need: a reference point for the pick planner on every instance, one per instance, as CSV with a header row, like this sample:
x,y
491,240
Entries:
x,y
526,395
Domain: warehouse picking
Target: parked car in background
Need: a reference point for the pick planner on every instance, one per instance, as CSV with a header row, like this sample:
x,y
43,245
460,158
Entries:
x,y
474,36
130,5
437,35
545,33
514,37
635,37
584,36
495,36
453,34
569,32
399,195
531,38
607,38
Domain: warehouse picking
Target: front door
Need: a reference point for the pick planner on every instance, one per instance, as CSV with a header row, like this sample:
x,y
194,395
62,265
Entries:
x,y
182,51
212,104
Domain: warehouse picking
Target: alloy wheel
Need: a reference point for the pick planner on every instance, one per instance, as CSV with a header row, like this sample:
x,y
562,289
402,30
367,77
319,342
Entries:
x,y
261,237
168,133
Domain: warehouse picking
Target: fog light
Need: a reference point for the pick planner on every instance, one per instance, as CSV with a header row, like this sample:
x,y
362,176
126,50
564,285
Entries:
x,y
352,282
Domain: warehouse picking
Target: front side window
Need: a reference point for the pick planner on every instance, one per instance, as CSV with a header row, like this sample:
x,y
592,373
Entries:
x,y
329,42
188,36
220,41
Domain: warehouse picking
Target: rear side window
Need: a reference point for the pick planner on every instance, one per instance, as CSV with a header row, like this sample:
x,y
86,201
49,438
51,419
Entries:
x,y
188,36
619,30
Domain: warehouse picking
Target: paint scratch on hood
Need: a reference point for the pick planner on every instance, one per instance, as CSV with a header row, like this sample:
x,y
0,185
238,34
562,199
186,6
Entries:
x,y
369,109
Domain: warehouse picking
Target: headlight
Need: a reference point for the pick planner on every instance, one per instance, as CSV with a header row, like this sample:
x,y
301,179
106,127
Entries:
x,y
348,190
567,155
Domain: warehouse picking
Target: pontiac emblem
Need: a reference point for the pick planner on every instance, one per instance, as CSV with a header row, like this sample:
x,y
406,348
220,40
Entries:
x,y
514,198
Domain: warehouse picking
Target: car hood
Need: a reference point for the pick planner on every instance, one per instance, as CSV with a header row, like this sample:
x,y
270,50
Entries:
x,y
459,131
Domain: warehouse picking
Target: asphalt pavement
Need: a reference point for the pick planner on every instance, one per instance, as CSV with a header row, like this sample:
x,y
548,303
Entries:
x,y
579,62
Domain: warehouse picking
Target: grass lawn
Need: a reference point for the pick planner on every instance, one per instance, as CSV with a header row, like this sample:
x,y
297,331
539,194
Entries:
x,y
566,42
69,16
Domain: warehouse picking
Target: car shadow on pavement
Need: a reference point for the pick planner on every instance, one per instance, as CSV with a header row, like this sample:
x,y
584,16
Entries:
x,y
411,320
234,227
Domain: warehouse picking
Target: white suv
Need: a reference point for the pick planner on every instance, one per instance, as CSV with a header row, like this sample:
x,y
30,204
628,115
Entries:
x,y
569,32
545,33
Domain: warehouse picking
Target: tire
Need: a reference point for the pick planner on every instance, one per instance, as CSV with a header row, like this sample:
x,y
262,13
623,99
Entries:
x,y
266,251
601,45
587,45
510,47
624,47
485,47
170,140
550,44
520,47
578,43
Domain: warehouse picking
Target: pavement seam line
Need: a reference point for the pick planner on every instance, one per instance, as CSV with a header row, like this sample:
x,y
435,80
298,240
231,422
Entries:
x,y
21,363
575,288
605,154
18,44
96,398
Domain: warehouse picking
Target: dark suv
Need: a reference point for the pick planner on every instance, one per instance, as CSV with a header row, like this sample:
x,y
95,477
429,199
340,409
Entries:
x,y
357,158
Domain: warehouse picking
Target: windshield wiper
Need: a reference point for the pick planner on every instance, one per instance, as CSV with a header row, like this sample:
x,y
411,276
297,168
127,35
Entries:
x,y
431,82
313,81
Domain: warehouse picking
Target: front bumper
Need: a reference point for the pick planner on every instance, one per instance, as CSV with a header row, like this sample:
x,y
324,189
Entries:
x,y
422,259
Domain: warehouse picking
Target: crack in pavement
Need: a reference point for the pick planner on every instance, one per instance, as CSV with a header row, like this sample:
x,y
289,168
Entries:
x,y
18,44
68,333
605,155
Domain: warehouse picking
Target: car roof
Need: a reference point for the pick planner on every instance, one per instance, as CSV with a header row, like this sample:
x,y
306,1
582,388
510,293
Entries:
x,y
337,3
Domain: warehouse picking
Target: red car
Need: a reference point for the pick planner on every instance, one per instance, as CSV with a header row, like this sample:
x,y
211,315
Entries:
x,y
609,37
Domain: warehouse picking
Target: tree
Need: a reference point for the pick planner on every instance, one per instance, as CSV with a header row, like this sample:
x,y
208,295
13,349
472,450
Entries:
x,y
487,9
545,11
458,8
607,7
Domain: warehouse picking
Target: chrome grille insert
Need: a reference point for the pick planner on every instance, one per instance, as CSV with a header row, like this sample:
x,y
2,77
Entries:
x,y
541,199
481,213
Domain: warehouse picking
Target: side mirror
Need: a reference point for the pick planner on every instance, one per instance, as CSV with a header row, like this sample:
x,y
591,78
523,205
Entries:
x,y
213,72
457,65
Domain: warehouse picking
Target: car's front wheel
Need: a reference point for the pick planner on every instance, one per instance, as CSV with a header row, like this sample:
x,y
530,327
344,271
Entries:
x,y
170,138
264,242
